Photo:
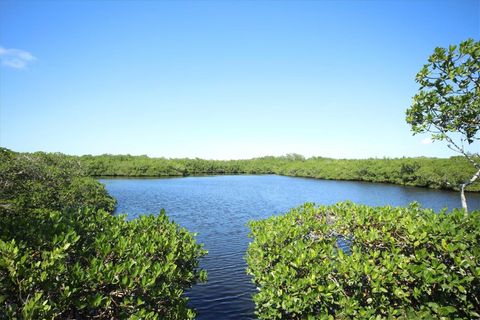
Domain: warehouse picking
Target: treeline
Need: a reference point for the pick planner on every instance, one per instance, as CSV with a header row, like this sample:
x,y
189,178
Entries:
x,y
437,173
63,255
434,173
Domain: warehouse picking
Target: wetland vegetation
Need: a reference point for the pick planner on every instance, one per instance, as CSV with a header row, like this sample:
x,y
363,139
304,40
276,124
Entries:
x,y
64,254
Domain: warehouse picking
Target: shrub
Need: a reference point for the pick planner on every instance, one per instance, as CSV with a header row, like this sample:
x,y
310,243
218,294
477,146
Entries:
x,y
50,181
64,255
349,260
90,264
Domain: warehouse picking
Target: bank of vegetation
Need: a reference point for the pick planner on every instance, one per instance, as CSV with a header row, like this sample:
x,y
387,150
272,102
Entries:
x,y
434,173
350,261
64,255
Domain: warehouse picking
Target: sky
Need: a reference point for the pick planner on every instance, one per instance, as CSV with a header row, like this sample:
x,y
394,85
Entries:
x,y
221,79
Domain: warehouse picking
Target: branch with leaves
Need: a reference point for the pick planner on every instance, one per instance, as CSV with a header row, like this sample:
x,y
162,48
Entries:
x,y
447,104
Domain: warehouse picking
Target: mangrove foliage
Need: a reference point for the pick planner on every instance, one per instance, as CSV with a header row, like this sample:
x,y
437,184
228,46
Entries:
x,y
434,173
64,255
352,261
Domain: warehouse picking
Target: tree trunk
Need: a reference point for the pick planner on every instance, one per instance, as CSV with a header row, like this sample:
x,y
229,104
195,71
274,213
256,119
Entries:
x,y
462,197
462,190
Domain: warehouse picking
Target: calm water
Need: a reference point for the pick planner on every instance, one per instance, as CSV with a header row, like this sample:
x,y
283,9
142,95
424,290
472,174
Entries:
x,y
218,208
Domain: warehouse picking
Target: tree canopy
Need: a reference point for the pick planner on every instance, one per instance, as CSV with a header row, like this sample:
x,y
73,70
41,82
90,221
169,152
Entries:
x,y
448,98
447,104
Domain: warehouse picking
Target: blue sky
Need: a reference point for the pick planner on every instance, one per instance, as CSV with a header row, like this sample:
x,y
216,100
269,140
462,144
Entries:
x,y
220,79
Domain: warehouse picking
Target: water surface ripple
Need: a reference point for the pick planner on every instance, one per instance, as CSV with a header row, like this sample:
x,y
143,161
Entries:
x,y
218,208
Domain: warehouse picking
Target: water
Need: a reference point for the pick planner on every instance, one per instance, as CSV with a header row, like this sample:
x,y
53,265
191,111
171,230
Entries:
x,y
218,208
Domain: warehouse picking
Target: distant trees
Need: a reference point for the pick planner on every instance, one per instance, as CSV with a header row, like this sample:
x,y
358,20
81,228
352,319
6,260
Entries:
x,y
421,172
448,102
294,157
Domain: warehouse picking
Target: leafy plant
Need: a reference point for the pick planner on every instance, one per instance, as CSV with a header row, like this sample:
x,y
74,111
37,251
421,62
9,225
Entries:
x,y
64,255
48,180
90,264
448,102
354,261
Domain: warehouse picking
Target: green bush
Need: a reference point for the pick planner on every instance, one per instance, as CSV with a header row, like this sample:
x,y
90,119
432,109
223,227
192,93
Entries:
x,y
64,255
50,181
353,261
90,264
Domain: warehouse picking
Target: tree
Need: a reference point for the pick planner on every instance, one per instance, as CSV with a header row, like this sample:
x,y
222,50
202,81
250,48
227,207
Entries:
x,y
447,104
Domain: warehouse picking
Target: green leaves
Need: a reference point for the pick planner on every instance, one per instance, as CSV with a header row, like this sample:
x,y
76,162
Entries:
x,y
49,181
448,100
402,263
447,104
101,266
63,256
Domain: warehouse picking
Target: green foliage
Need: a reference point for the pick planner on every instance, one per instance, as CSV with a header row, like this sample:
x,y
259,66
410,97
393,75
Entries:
x,y
352,261
422,172
90,264
448,100
48,180
63,256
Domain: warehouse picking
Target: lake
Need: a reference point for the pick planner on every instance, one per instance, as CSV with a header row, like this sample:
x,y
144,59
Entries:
x,y
218,208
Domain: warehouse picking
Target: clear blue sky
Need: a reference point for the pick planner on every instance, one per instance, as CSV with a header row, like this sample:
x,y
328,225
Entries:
x,y
219,79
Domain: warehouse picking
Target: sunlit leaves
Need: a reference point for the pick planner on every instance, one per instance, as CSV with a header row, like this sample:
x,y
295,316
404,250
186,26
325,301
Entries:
x,y
48,180
402,263
448,100
63,256
103,266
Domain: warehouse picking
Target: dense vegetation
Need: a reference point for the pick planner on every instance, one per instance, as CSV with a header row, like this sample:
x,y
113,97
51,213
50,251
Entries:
x,y
350,261
48,181
64,255
422,172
